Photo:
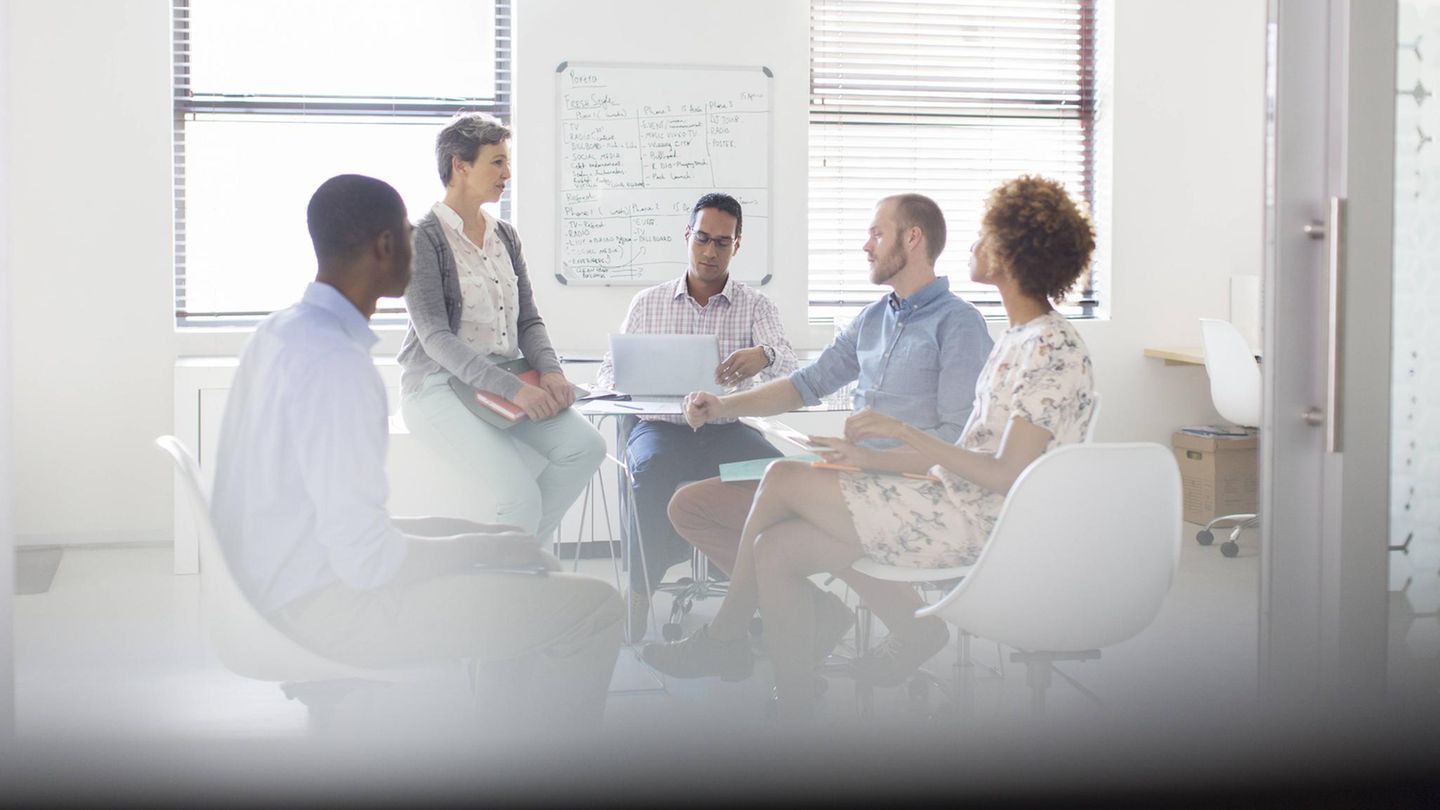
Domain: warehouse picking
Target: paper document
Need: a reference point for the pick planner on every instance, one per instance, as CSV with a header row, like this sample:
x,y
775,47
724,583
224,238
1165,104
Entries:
x,y
754,470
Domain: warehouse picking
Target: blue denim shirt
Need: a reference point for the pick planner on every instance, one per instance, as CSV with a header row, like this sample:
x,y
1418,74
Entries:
x,y
916,359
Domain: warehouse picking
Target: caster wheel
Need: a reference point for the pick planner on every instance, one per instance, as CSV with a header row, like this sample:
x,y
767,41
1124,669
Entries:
x,y
1204,537
670,631
684,582
1230,548
757,627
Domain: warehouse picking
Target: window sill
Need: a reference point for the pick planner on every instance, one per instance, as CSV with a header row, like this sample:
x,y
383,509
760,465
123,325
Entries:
x,y
229,341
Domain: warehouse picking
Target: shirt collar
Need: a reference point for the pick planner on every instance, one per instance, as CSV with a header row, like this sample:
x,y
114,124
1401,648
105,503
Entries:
x,y
355,325
682,288
452,220
922,296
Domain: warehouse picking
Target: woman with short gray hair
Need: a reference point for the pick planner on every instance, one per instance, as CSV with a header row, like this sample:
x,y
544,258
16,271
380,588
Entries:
x,y
474,328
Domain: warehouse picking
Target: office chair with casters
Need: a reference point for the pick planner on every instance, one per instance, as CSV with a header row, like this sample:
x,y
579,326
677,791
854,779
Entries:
x,y
958,689
249,644
1081,557
1235,391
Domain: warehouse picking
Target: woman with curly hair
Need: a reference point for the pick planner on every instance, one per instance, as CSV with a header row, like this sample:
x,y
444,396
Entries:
x,y
930,503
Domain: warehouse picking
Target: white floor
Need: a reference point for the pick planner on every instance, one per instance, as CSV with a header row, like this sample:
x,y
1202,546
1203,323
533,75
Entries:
x,y
115,650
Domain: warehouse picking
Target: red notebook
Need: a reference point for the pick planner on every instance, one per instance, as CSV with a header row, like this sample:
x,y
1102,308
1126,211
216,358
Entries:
x,y
493,408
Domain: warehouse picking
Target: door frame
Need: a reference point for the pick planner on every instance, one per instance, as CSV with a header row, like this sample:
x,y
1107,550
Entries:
x,y
1325,506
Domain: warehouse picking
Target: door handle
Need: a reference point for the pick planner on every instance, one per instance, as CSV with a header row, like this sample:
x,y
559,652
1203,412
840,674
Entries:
x,y
1333,229
1334,385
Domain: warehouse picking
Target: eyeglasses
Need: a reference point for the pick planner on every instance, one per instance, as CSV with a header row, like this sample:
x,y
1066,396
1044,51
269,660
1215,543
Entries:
x,y
722,242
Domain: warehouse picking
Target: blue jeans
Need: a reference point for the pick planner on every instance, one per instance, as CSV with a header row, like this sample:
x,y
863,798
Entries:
x,y
663,456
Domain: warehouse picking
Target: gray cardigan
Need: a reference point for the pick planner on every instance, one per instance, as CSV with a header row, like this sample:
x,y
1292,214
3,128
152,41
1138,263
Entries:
x,y
432,343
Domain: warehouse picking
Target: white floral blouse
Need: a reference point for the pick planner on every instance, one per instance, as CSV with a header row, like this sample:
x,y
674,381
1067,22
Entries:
x,y
1040,372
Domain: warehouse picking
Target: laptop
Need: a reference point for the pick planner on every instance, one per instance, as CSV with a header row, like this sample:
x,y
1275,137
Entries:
x,y
657,366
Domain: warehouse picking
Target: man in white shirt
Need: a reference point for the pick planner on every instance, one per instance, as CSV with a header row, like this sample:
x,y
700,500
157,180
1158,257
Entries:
x,y
300,495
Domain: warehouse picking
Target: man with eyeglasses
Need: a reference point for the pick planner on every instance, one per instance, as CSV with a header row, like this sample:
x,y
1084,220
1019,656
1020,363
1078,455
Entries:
x,y
664,451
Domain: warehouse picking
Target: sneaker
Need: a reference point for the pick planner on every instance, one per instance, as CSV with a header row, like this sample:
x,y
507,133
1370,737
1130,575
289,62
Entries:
x,y
833,619
702,656
901,654
638,606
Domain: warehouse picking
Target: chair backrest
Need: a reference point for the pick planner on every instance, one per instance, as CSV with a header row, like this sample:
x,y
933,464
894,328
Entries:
x,y
1094,416
246,642
1234,374
1082,554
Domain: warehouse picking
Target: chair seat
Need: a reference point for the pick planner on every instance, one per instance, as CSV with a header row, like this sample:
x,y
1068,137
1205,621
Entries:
x,y
905,573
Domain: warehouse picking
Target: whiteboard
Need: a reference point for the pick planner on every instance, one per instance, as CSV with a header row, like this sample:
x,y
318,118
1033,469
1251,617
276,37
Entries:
x,y
638,145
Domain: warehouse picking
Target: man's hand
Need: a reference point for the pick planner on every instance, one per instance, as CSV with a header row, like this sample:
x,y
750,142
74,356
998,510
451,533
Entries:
x,y
868,423
741,365
536,402
557,386
702,407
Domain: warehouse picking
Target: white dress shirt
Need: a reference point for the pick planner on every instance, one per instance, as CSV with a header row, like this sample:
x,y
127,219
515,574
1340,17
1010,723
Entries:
x,y
300,486
489,291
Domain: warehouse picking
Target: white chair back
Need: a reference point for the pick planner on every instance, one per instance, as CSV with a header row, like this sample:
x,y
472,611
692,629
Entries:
x,y
1082,554
1234,374
245,641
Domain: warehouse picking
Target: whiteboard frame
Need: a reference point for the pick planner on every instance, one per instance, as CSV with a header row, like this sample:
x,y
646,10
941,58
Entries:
x,y
769,192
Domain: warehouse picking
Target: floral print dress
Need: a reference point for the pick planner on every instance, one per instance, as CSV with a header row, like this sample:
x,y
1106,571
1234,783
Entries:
x,y
1038,371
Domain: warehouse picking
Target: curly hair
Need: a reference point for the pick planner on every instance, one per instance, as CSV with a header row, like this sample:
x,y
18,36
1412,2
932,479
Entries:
x,y
1040,234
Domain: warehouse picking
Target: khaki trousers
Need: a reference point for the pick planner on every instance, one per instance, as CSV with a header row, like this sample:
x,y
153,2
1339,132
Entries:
x,y
544,644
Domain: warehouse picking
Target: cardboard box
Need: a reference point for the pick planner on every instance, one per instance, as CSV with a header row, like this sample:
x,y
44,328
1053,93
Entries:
x,y
1220,474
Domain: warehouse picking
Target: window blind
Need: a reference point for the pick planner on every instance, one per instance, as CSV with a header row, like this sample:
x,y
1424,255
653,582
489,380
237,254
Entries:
x,y
947,98
273,96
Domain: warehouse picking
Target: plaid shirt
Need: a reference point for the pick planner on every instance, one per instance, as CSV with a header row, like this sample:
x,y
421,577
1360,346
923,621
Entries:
x,y
740,316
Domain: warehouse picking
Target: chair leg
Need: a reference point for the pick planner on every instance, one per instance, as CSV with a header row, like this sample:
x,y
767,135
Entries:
x,y
864,693
1037,675
965,674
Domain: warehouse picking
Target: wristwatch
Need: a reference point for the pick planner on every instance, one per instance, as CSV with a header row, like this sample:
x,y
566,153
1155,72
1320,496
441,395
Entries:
x,y
769,355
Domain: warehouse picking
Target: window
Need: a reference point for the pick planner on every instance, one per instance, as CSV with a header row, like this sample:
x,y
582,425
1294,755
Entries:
x,y
274,96
947,98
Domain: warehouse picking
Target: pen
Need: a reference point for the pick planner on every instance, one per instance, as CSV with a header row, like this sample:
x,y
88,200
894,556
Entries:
x,y
628,407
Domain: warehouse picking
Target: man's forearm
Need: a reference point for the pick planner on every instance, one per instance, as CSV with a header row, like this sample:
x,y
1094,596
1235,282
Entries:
x,y
774,397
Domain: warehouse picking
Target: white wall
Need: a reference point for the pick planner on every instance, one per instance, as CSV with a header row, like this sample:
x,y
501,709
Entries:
x,y
92,282
1188,200
90,226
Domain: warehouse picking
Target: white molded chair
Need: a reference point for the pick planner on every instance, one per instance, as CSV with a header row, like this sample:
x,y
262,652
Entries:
x,y
1081,557
923,578
245,641
1235,390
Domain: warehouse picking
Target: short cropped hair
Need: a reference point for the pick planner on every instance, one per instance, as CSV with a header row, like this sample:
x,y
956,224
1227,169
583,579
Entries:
x,y
349,212
917,210
1040,233
464,137
720,202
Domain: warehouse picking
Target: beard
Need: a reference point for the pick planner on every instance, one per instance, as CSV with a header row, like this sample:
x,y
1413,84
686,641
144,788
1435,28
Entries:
x,y
888,266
